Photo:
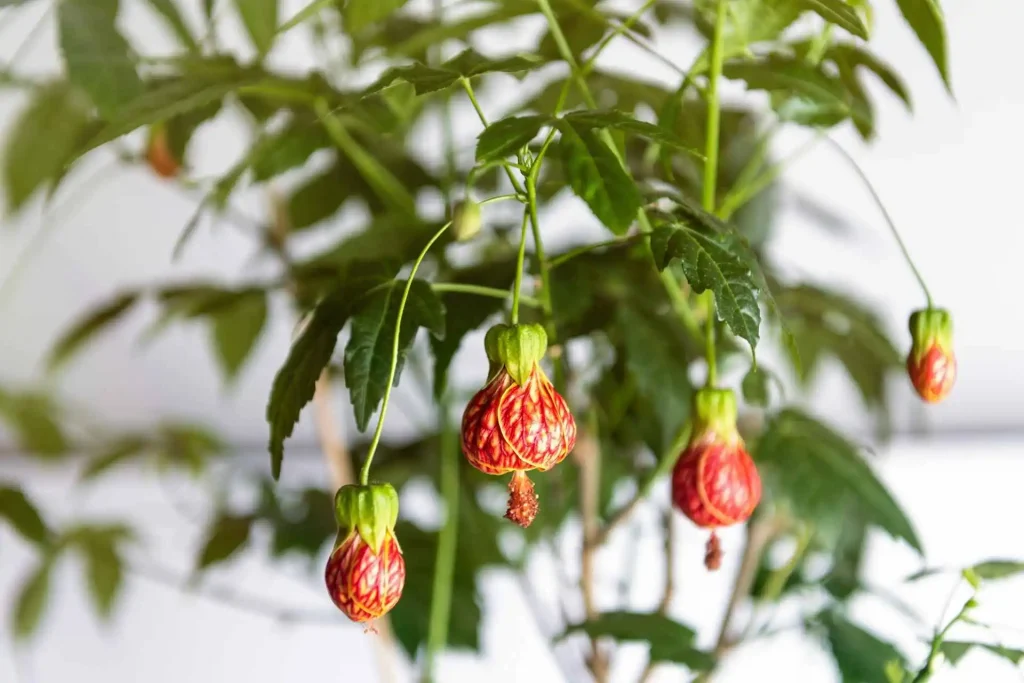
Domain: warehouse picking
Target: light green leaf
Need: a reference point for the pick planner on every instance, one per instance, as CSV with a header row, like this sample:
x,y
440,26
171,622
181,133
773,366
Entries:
x,y
98,59
861,656
260,19
854,56
955,651
361,13
33,417
748,22
168,9
368,353
19,511
310,353
225,538
670,641
926,18
104,570
710,262
237,328
598,178
505,137
113,454
813,471
88,326
839,13
998,569
32,597
611,118
755,387
43,141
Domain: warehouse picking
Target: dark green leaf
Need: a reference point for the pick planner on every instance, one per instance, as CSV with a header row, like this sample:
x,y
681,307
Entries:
x,y
260,19
237,328
288,149
504,137
466,64
748,22
843,578
301,525
43,141
598,178
32,597
855,55
186,446
925,17
168,9
19,511
998,569
104,570
712,262
310,353
810,469
670,641
611,118
955,651
34,419
98,59
369,350
861,657
226,537
839,13
361,13
755,387
87,327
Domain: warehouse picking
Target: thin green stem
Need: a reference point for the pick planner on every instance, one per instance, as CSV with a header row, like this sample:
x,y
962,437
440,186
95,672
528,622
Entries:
x,y
364,474
619,30
743,192
479,290
520,264
447,545
586,248
483,119
885,213
777,579
711,144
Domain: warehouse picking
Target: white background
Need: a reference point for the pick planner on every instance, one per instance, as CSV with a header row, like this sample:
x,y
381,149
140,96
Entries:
x,y
949,176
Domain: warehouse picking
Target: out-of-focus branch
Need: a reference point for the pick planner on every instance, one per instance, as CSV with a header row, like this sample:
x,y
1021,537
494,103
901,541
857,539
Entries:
x,y
670,581
588,458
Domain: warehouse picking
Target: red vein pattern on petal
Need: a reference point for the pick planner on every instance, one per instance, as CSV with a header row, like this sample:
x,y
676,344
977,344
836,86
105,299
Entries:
x,y
362,584
536,422
482,440
933,377
716,484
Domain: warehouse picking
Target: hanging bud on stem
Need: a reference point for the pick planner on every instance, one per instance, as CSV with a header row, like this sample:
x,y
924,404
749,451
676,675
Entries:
x,y
517,422
466,220
159,154
366,571
931,363
715,482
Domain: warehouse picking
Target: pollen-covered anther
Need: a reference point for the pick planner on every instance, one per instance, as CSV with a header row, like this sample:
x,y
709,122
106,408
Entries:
x,y
522,500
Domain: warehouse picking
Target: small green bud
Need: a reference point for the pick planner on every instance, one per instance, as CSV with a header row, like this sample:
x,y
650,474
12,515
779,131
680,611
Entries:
x,y
714,410
466,220
372,511
519,348
930,326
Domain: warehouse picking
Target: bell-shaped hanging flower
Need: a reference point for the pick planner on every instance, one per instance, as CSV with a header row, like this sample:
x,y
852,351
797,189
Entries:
x,y
931,363
159,154
366,571
517,422
715,482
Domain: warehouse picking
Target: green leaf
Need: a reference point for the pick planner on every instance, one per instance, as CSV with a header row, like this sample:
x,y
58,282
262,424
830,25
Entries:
x,y
310,353
98,59
861,657
322,195
260,19
955,651
104,570
168,10
236,329
113,454
748,22
43,141
998,569
32,597
670,641
505,137
186,446
361,13
34,419
288,149
226,536
839,13
926,18
467,64
369,349
811,469
855,55
88,326
711,262
814,96
755,387
19,511
598,178
611,118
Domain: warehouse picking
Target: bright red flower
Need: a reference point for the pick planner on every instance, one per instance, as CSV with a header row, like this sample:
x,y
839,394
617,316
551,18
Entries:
x,y
931,363
159,155
715,482
364,584
517,426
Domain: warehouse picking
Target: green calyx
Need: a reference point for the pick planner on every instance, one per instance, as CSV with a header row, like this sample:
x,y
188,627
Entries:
x,y
931,326
371,511
714,411
466,220
516,347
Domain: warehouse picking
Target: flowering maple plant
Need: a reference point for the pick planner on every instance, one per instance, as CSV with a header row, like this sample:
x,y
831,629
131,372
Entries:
x,y
638,353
